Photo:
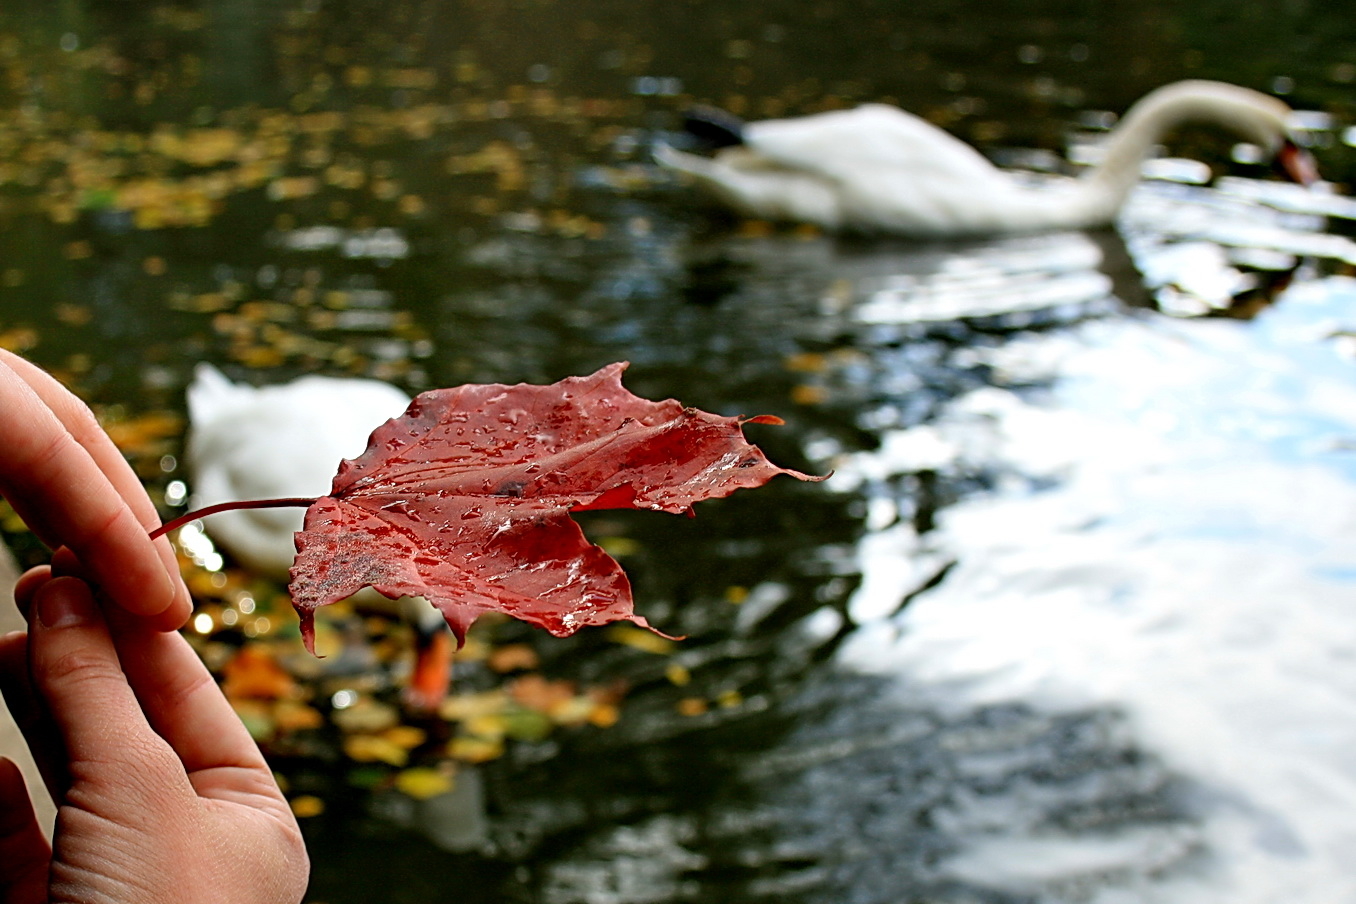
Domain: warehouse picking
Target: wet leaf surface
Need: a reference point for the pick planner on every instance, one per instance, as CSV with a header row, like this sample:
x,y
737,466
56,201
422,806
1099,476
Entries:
x,y
465,499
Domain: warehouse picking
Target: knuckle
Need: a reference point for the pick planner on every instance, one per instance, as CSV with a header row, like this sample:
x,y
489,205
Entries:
x,y
173,691
78,668
41,458
108,522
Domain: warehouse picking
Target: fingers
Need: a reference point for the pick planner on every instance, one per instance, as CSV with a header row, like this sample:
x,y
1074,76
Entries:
x,y
76,672
24,850
181,700
24,706
173,691
28,585
67,480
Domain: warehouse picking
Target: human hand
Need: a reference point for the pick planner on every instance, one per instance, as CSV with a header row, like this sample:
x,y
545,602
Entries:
x,y
71,486
163,797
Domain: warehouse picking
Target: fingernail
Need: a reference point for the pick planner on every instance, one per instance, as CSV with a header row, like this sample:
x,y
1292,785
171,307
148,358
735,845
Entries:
x,y
64,603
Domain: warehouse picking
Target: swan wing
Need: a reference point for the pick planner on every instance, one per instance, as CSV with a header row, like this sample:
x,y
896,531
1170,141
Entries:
x,y
756,187
858,144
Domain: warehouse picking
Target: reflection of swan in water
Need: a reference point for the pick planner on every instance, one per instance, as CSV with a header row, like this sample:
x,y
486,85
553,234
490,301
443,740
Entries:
x,y
878,168
287,440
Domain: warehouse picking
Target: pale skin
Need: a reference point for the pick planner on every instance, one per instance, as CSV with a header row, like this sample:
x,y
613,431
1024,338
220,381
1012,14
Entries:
x,y
162,795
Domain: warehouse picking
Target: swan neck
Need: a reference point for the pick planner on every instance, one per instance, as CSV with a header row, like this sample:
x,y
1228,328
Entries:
x,y
1129,144
1248,114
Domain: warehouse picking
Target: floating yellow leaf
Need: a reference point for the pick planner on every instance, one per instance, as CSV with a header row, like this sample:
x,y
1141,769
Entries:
x,y
641,640
253,672
512,657
73,314
290,188
574,711
755,229
292,716
540,694
259,357
366,715
805,394
257,718
406,736
136,434
692,706
527,725
620,546
487,725
306,806
807,362
678,675
19,339
366,748
604,715
467,706
421,783
10,520
471,749
412,205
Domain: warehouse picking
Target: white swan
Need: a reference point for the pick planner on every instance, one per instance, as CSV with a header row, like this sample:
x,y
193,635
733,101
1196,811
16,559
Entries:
x,y
287,440
877,168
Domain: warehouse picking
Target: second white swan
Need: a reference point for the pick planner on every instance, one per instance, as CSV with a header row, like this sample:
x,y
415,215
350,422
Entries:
x,y
877,168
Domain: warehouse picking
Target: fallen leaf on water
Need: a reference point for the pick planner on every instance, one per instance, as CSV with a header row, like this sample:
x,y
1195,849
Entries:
x,y
366,715
541,694
422,782
366,748
407,737
641,640
292,716
257,717
730,698
134,434
512,657
253,673
527,725
468,706
306,806
18,339
470,749
604,715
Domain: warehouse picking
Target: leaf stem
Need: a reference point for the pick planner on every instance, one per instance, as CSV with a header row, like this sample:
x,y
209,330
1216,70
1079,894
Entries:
x,y
230,507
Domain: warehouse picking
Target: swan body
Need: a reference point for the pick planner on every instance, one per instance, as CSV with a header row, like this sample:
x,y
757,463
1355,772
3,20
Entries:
x,y
287,440
877,168
249,442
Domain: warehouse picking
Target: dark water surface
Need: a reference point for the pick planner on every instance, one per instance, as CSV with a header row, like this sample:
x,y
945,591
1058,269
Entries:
x,y
434,193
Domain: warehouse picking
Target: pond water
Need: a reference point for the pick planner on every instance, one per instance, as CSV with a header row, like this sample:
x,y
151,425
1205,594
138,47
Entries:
x,y
1072,619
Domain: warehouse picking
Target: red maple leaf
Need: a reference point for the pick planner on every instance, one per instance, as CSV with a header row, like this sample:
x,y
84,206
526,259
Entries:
x,y
465,499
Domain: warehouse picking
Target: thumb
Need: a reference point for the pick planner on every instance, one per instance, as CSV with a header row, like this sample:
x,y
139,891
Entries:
x,y
75,669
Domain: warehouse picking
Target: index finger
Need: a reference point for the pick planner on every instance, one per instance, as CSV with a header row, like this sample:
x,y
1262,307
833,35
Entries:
x,y
67,480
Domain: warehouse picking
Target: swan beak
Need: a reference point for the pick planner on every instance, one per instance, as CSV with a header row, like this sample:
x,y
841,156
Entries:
x,y
1297,164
